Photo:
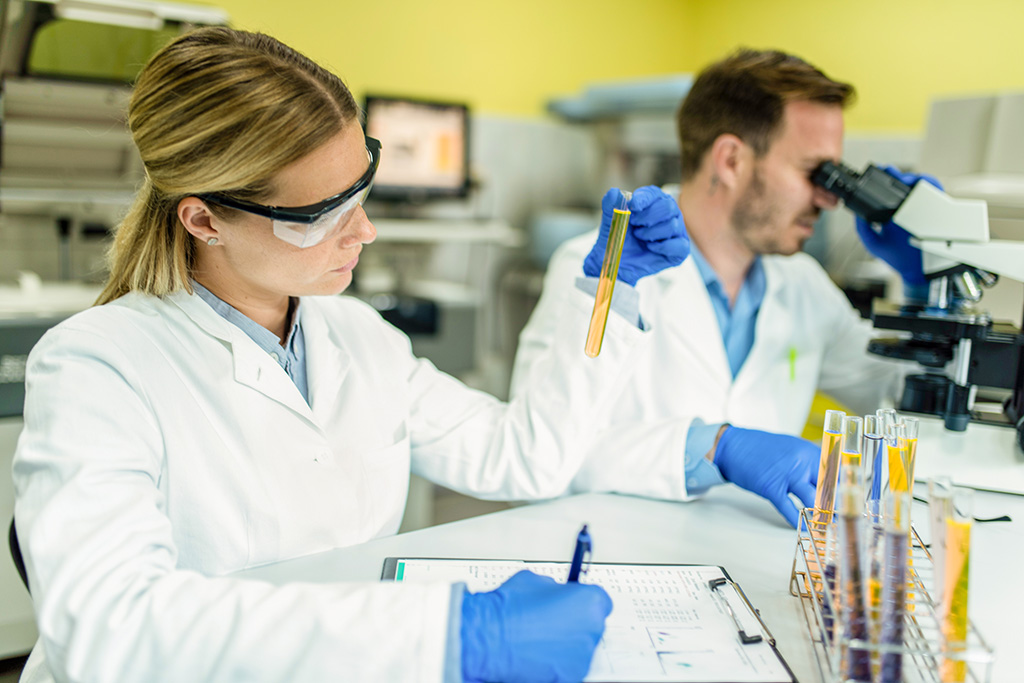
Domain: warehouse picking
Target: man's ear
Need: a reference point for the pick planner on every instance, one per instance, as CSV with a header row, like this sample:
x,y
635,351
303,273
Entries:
x,y
729,158
195,215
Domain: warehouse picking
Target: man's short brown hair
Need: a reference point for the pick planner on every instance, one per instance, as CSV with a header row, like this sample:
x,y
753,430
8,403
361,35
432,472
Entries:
x,y
744,94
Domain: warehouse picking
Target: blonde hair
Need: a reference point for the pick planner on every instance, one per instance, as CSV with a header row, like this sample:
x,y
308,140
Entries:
x,y
216,110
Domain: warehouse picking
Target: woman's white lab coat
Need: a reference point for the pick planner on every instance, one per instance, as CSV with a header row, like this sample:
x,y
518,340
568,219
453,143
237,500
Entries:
x,y
807,337
163,450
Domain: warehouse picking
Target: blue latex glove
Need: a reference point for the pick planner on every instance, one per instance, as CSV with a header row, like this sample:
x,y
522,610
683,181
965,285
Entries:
x,y
532,628
771,465
892,243
656,238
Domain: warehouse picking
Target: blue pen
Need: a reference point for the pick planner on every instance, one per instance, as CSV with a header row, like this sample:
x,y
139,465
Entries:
x,y
583,549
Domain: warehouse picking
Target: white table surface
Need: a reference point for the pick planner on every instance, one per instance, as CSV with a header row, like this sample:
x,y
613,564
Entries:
x,y
729,527
983,456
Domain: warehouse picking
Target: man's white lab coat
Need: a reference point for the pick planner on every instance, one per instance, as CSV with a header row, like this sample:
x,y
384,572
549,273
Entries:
x,y
163,450
807,337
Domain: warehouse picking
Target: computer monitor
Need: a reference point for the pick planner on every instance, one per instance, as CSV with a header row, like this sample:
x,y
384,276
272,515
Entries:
x,y
424,148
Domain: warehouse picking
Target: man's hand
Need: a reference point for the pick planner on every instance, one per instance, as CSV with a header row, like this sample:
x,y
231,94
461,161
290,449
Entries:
x,y
770,465
656,238
891,243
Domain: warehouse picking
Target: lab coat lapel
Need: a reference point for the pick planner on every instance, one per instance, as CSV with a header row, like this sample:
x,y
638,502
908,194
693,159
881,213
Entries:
x,y
775,332
327,363
692,322
253,367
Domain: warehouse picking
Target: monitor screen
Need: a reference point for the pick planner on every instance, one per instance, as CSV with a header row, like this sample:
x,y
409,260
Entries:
x,y
424,148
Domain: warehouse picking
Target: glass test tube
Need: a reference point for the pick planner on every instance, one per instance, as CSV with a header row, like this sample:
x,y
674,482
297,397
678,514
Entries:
x,y
953,612
850,445
911,424
874,560
940,507
886,417
896,458
874,444
875,484
894,585
853,615
609,272
828,468
830,603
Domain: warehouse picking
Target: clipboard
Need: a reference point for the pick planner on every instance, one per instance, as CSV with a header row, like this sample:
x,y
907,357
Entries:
x,y
669,623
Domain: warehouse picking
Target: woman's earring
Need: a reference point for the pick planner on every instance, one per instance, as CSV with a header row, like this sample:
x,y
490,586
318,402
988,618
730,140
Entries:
x,y
212,241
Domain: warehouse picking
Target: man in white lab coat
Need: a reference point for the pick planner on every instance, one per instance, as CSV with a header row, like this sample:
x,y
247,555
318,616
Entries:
x,y
745,331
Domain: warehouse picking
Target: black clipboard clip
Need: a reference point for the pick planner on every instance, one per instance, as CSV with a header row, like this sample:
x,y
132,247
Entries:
x,y
714,585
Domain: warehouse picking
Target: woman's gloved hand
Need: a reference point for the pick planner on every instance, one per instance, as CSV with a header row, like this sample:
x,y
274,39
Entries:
x,y
771,465
532,628
891,243
656,238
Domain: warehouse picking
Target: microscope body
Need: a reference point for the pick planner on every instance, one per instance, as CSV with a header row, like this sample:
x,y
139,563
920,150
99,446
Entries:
x,y
957,345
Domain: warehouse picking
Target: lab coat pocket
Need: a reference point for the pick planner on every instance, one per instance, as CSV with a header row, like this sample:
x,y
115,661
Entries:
x,y
386,472
795,381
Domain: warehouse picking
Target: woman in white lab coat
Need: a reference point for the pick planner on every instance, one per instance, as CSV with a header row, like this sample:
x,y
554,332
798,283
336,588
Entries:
x,y
215,413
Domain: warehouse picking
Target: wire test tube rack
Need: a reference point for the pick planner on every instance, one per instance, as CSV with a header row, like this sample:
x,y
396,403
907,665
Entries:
x,y
924,648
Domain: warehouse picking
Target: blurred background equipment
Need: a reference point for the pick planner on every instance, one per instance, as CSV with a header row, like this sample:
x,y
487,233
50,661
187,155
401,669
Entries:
x,y
68,171
427,148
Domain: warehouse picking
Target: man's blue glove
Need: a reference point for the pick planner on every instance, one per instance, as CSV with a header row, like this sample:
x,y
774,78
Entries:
x,y
656,238
771,465
532,629
892,243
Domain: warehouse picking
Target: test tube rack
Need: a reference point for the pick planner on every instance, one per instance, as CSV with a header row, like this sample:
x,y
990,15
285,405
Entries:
x,y
924,647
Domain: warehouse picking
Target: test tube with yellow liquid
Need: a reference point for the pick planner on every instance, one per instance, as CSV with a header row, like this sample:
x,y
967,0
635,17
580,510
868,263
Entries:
x,y
828,467
609,271
897,456
851,445
911,425
953,610
901,476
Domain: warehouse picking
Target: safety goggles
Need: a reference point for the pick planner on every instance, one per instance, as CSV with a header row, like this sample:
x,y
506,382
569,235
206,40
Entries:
x,y
307,226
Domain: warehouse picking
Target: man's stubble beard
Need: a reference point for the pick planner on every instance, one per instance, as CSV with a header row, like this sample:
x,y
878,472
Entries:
x,y
755,220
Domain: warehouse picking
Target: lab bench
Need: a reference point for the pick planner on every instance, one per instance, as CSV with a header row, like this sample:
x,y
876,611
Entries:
x,y
729,527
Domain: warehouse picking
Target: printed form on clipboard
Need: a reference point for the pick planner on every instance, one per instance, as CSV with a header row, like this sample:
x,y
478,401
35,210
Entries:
x,y
668,623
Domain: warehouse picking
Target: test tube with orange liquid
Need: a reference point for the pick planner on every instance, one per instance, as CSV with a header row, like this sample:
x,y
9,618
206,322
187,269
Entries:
x,y
953,609
609,271
828,467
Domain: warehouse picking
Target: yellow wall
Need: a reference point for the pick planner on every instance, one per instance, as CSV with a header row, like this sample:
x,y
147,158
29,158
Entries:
x,y
501,57
511,57
898,53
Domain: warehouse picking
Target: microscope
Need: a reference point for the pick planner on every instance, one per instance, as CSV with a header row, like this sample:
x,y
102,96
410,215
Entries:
x,y
958,345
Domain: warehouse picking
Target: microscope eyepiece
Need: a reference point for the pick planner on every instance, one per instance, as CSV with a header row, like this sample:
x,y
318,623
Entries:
x,y
874,194
836,177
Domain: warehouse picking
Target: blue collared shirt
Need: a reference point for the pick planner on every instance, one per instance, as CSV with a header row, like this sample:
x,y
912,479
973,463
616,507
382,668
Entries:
x,y
291,356
736,323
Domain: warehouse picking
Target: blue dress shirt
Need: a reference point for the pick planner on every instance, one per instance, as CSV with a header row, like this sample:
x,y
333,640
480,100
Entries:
x,y
736,324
